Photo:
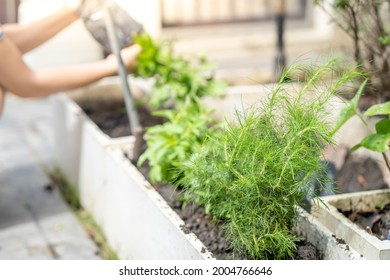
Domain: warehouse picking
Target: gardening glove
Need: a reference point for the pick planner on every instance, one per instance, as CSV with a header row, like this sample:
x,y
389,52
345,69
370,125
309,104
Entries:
x,y
92,14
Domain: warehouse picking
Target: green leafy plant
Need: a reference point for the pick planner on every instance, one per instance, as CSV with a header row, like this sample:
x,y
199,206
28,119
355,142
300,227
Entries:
x,y
71,197
176,78
253,174
181,85
173,142
378,140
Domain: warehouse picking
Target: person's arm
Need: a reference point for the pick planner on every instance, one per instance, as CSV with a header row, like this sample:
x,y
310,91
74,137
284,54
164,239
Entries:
x,y
28,36
19,79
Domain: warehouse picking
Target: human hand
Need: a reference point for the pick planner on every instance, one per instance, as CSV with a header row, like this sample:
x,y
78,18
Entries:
x,y
129,57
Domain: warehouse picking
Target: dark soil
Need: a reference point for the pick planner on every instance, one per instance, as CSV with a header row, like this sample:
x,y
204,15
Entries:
x,y
363,174
359,174
376,222
198,222
113,119
211,232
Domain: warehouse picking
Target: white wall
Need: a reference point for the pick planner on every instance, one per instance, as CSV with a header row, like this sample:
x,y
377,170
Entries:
x,y
146,12
231,46
75,44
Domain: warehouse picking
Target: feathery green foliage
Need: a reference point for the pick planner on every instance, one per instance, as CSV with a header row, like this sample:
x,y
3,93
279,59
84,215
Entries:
x,y
252,175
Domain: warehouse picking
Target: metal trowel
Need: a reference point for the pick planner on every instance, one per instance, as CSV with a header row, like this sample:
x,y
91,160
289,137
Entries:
x,y
113,28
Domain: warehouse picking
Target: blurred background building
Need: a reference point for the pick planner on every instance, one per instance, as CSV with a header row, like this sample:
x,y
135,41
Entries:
x,y
237,35
9,10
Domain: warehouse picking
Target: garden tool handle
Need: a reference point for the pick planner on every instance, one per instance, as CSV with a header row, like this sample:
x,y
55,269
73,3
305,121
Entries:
x,y
133,118
136,129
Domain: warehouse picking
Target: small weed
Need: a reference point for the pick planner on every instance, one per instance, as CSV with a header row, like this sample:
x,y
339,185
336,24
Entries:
x,y
92,229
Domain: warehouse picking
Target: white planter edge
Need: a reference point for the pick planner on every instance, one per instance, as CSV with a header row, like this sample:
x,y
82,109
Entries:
x,y
367,245
108,185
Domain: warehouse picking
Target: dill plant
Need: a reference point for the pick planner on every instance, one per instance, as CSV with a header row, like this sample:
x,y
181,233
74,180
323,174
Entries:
x,y
254,173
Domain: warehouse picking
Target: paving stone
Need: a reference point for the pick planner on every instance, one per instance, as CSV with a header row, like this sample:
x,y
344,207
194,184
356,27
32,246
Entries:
x,y
34,223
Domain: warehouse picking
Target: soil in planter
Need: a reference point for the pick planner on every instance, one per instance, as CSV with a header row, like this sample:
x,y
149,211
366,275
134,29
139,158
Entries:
x,y
364,174
359,174
211,233
374,222
113,121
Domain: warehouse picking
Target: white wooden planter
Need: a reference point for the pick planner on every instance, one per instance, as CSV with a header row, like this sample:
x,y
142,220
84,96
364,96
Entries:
x,y
76,135
323,239
365,244
138,222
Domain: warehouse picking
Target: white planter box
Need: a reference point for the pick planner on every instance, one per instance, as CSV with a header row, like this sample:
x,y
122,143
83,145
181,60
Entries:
x,y
323,239
367,245
137,221
76,135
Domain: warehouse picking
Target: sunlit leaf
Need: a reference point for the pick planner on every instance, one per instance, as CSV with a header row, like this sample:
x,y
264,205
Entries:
x,y
379,109
350,109
375,142
383,126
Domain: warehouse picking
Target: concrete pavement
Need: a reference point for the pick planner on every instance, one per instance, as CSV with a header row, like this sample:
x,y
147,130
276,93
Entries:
x,y
35,223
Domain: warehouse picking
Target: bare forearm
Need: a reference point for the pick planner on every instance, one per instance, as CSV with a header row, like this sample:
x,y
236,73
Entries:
x,y
28,36
44,82
18,78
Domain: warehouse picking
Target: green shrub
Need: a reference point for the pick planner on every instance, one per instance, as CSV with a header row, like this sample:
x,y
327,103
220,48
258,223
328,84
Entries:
x,y
253,174
367,23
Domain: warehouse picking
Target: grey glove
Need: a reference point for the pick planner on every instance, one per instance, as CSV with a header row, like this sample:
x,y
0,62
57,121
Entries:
x,y
92,14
